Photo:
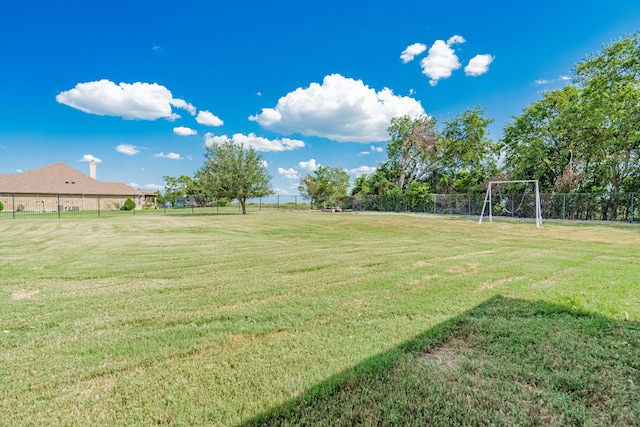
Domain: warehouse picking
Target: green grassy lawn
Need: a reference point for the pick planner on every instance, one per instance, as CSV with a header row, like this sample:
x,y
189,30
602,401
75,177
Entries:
x,y
299,318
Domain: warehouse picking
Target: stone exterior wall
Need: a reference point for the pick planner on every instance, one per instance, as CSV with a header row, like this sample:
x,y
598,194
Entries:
x,y
65,202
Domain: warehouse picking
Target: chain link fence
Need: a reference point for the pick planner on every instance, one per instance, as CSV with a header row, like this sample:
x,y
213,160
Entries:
x,y
570,206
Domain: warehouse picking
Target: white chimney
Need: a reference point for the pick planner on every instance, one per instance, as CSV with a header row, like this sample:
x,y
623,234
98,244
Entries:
x,y
92,170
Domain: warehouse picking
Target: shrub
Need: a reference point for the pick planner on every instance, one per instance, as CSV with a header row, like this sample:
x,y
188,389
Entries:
x,y
129,205
1,206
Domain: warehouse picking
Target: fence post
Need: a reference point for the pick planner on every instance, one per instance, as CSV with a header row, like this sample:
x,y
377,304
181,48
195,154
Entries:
x,y
278,202
632,207
13,203
295,203
564,205
58,207
98,206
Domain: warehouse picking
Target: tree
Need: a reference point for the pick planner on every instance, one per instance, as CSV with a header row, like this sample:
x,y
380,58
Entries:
x,y
610,82
585,137
176,187
234,172
469,157
378,183
542,143
419,152
325,185
412,148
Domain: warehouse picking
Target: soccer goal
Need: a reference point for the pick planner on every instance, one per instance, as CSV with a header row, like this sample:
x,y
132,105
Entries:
x,y
518,198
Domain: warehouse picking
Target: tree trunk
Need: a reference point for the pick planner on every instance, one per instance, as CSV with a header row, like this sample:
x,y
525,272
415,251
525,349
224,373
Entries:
x,y
243,203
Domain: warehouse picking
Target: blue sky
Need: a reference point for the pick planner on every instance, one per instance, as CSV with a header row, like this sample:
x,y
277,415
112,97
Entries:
x,y
142,86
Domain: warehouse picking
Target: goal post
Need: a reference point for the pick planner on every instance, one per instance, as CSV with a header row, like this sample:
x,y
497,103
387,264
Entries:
x,y
488,200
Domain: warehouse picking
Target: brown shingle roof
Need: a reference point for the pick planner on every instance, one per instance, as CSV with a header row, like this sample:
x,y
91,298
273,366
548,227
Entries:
x,y
59,178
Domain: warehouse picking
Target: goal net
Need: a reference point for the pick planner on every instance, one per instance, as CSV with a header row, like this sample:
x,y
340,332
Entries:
x,y
513,199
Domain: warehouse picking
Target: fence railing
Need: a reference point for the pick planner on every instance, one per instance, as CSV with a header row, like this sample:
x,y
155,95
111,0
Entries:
x,y
61,206
569,206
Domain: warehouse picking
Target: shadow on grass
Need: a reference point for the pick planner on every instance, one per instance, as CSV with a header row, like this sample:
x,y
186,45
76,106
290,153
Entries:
x,y
505,362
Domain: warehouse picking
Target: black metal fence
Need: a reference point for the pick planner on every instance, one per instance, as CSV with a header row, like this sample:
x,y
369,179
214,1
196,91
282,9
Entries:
x,y
62,206
570,206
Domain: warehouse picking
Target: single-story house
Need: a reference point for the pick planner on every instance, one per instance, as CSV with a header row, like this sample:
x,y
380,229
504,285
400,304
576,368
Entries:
x,y
59,187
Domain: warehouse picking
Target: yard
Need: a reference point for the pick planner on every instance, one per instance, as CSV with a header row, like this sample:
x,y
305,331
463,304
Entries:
x,y
301,318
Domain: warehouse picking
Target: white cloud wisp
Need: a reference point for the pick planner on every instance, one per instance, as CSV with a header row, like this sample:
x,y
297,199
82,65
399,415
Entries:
x,y
170,156
412,51
311,165
258,143
184,131
87,158
478,65
290,173
127,149
207,118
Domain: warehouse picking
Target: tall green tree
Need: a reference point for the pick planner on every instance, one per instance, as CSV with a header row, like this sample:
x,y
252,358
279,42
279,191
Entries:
x,y
469,158
584,137
542,143
610,82
234,172
324,185
176,186
412,149
377,183
420,152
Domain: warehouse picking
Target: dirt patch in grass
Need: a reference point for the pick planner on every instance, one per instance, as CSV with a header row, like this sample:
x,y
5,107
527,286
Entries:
x,y
446,356
25,294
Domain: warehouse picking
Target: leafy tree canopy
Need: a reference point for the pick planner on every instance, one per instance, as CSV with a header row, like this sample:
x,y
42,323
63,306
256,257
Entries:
x,y
234,172
324,185
586,136
456,156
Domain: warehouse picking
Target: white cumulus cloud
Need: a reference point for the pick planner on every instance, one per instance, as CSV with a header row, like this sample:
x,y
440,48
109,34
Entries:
x,y
362,170
207,118
135,101
184,131
88,158
290,173
258,143
377,149
170,156
341,109
152,186
478,65
441,60
311,165
128,149
412,51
